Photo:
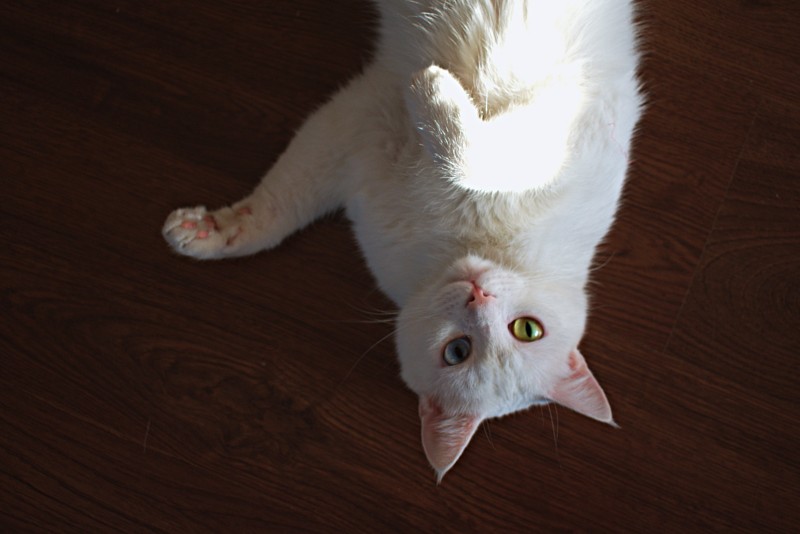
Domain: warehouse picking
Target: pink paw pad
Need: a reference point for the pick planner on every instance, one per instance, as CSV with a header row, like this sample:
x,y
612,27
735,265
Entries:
x,y
209,224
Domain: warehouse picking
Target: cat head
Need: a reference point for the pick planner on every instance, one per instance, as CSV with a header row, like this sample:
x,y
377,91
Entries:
x,y
485,341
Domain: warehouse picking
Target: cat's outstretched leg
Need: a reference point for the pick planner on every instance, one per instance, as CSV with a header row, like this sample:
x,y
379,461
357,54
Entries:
x,y
309,179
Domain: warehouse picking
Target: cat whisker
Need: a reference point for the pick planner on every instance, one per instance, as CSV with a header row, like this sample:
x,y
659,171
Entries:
x,y
373,311
554,426
558,426
359,359
371,347
488,433
388,320
596,268
378,316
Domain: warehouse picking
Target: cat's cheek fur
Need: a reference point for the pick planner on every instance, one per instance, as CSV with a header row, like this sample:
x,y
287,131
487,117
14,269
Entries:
x,y
419,367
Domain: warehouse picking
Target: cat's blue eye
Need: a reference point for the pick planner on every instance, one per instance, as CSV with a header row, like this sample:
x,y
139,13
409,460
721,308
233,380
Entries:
x,y
457,350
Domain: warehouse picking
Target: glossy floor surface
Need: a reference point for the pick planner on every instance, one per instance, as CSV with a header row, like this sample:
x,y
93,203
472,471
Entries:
x,y
143,392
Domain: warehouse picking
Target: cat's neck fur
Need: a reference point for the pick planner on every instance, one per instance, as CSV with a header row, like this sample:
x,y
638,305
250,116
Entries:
x,y
486,45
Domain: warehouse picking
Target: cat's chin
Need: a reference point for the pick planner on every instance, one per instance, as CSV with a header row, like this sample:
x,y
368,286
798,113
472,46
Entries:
x,y
468,268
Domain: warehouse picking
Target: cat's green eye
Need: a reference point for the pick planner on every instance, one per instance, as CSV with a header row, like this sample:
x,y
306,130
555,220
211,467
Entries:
x,y
526,329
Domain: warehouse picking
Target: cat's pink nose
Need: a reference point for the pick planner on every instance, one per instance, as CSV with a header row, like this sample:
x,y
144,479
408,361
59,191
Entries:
x,y
478,296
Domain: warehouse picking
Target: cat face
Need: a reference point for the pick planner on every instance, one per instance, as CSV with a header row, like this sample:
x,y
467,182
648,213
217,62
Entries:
x,y
487,341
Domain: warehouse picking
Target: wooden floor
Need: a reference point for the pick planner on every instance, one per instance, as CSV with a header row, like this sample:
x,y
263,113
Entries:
x,y
142,392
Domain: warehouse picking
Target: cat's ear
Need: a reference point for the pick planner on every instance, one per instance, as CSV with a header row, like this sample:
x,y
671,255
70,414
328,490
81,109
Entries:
x,y
579,391
443,113
444,437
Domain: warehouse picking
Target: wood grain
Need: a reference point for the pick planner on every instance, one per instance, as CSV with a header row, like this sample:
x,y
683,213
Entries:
x,y
142,392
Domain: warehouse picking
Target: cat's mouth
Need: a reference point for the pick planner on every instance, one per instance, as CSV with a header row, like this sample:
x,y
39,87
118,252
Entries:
x,y
470,270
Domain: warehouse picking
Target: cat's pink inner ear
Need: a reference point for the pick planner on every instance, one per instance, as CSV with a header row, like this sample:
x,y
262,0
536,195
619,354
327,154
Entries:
x,y
444,437
581,392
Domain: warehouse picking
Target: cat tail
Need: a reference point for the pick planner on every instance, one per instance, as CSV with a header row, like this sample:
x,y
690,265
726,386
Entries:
x,y
521,149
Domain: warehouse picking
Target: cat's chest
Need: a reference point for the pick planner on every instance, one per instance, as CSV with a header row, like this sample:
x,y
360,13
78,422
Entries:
x,y
410,234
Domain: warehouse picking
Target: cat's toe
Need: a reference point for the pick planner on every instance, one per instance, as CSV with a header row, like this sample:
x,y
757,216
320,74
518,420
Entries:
x,y
193,232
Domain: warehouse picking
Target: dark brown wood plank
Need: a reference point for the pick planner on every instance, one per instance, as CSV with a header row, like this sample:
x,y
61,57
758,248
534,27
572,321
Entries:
x,y
752,44
736,343
144,392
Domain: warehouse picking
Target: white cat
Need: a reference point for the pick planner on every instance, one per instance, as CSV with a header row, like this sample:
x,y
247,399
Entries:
x,y
480,157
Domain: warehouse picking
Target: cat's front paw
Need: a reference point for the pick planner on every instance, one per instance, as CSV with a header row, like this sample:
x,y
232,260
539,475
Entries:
x,y
197,233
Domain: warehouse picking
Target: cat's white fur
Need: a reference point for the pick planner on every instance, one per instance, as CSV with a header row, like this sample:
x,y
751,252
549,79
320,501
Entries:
x,y
482,152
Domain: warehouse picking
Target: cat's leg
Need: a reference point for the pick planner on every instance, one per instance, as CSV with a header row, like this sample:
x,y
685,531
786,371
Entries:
x,y
309,179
